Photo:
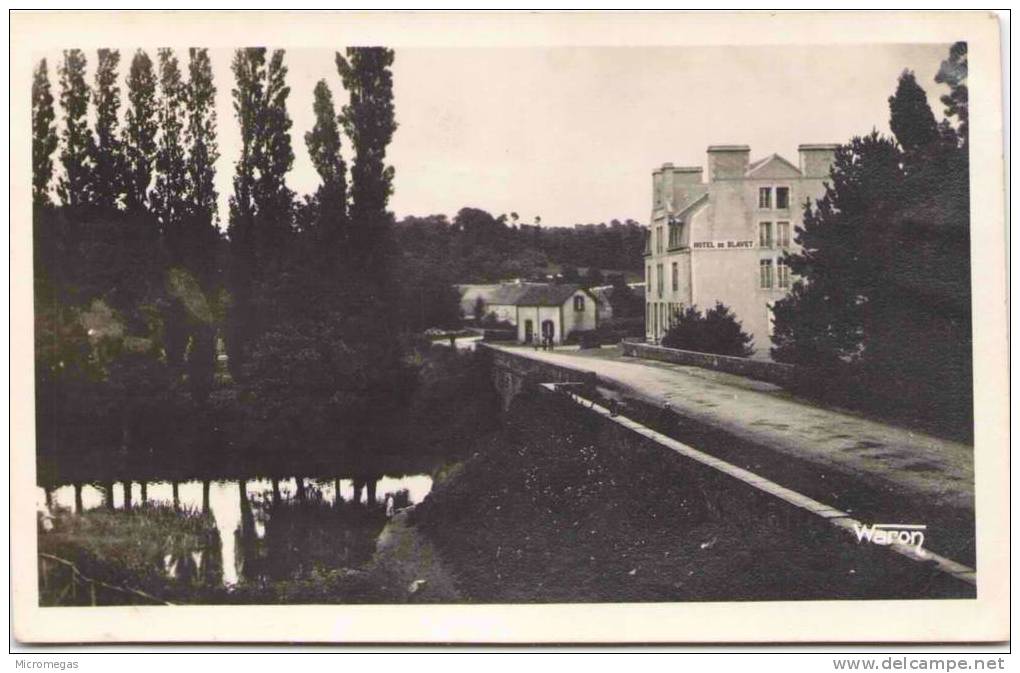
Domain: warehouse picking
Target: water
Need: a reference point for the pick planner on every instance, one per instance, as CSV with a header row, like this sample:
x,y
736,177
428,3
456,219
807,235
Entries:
x,y
259,538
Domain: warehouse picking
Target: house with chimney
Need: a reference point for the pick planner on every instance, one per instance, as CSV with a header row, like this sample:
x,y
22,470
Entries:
x,y
722,234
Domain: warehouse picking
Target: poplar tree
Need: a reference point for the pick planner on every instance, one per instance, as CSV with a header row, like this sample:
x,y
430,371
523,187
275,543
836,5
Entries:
x,y
44,135
323,143
368,120
109,157
248,67
274,201
141,126
75,187
168,198
202,234
201,133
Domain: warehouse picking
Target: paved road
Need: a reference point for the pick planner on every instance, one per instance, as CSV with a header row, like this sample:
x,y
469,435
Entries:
x,y
938,471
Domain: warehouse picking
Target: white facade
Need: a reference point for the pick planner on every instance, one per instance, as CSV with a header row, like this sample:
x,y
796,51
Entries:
x,y
724,239
578,312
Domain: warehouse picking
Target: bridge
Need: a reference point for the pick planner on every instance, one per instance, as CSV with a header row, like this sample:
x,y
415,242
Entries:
x,y
825,464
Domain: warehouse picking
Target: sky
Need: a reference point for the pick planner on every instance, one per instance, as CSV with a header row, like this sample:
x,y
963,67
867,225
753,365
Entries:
x,y
572,134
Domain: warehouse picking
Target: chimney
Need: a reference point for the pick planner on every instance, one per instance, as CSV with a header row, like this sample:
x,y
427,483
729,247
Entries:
x,y
816,159
687,175
657,186
671,185
728,162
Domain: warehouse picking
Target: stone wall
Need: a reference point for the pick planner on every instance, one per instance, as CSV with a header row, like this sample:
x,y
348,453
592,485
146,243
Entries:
x,y
773,372
513,373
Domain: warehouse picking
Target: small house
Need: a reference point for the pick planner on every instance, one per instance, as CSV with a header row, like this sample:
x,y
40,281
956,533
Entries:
x,y
537,310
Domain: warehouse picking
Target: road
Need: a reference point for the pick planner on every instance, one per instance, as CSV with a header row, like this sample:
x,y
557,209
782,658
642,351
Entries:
x,y
936,471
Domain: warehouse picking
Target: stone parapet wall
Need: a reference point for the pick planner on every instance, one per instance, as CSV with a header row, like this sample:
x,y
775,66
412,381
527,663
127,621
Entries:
x,y
773,372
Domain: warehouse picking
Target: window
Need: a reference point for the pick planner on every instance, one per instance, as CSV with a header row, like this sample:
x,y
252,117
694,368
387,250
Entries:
x,y
578,303
765,234
675,229
783,271
783,234
764,197
782,197
766,274
770,319
658,279
676,277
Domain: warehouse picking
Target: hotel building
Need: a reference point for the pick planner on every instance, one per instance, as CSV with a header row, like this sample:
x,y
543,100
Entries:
x,y
723,238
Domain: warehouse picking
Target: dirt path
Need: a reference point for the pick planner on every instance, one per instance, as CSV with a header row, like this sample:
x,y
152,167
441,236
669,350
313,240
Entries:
x,y
408,559
939,471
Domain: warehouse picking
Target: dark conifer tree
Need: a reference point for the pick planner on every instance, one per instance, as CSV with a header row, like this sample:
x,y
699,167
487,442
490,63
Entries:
x,y
884,290
76,185
953,72
846,243
141,126
109,160
911,119
44,135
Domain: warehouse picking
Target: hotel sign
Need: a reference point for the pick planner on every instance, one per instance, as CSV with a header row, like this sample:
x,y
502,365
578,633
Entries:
x,y
724,245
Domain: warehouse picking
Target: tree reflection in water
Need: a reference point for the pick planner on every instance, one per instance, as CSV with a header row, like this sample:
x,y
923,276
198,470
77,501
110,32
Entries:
x,y
304,535
187,539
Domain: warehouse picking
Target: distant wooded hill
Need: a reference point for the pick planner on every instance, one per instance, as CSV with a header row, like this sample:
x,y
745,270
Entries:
x,y
477,246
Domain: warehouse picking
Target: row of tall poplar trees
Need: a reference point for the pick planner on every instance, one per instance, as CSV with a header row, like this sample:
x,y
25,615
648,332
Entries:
x,y
135,281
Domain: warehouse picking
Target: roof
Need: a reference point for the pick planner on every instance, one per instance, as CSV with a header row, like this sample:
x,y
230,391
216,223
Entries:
x,y
754,166
534,294
469,294
729,148
690,206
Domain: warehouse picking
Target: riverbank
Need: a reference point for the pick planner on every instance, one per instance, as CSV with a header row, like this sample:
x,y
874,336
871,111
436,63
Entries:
x,y
554,508
310,546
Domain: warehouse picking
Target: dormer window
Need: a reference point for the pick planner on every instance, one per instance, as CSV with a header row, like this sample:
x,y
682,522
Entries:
x,y
579,303
675,232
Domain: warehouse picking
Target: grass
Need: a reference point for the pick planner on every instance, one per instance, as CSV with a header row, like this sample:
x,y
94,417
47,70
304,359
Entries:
x,y
558,507
134,548
311,552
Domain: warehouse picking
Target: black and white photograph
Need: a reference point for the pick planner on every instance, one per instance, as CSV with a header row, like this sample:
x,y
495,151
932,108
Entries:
x,y
351,323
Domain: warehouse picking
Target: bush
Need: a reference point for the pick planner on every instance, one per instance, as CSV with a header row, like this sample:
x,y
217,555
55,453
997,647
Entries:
x,y
717,331
619,328
588,338
490,321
